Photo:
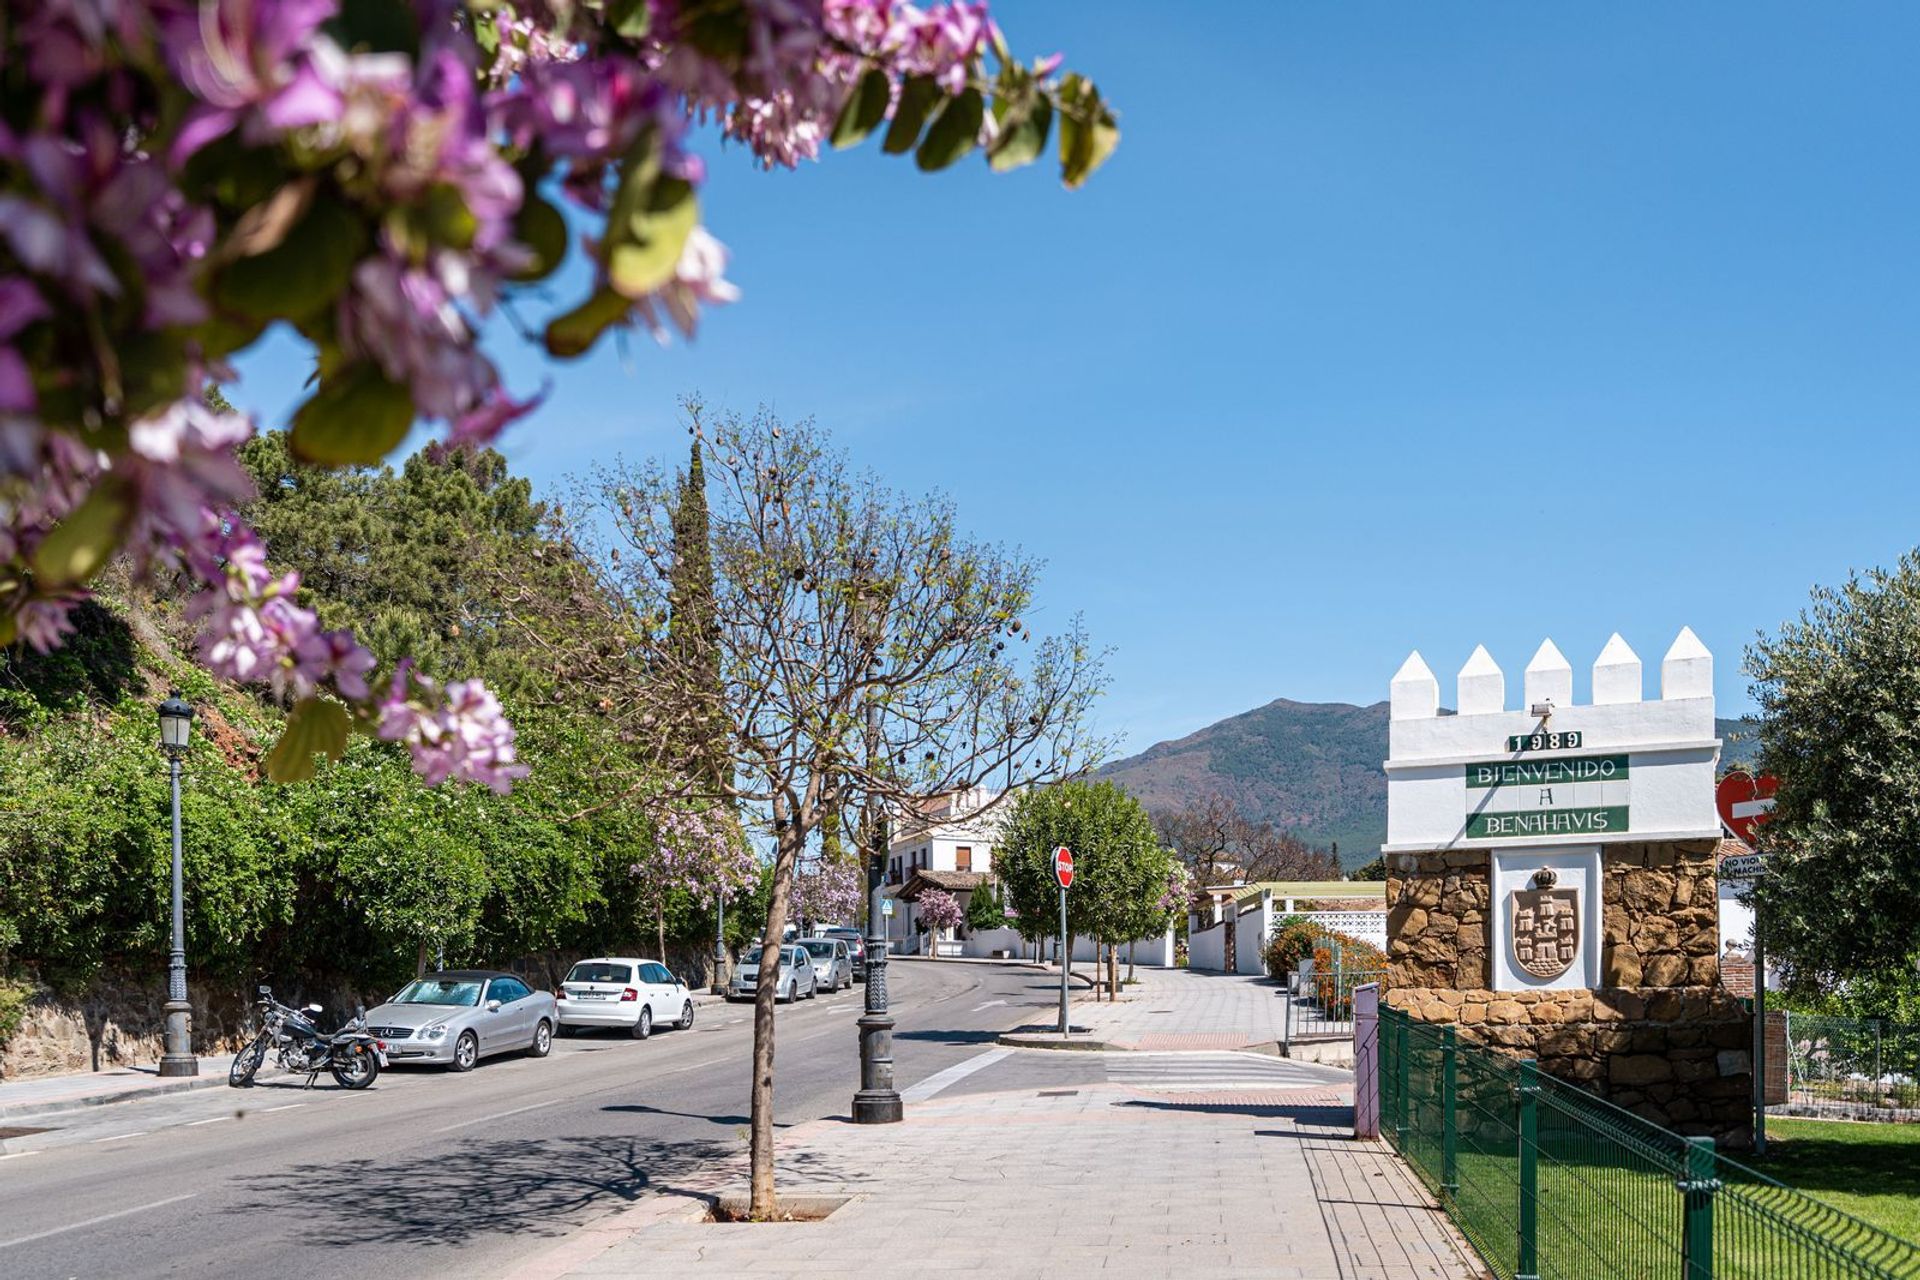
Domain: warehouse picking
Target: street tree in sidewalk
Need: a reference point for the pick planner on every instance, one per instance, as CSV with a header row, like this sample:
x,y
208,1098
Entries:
x,y
830,889
1119,868
371,180
937,910
832,595
1837,689
697,850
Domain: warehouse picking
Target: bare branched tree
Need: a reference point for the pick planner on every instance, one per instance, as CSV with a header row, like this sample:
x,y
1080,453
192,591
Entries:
x,y
1221,846
831,595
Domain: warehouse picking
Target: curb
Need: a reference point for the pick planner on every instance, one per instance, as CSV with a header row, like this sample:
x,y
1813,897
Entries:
x,y
1051,1040
20,1111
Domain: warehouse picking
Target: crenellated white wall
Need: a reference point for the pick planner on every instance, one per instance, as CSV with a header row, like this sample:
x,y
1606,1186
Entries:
x,y
1668,743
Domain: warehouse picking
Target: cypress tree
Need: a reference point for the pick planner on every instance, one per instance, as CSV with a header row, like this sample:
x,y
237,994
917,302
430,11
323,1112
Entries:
x,y
693,633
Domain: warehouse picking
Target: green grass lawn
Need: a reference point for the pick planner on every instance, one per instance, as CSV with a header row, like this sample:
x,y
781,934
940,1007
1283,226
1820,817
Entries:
x,y
1870,1170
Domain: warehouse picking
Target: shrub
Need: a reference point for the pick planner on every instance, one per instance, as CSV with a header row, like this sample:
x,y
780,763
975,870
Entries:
x,y
1293,940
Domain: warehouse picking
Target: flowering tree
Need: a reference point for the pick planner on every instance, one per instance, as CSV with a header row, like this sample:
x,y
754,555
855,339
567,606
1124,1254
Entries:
x,y
378,178
832,889
697,851
937,910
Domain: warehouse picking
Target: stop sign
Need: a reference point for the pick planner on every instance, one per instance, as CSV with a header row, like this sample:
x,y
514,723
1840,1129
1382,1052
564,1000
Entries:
x,y
1745,801
1063,866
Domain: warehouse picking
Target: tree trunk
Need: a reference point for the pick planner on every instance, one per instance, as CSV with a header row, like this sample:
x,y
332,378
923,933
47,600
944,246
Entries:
x,y
789,838
1113,971
420,960
660,926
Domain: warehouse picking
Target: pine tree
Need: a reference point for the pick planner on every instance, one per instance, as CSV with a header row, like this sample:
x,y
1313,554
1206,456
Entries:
x,y
983,908
693,632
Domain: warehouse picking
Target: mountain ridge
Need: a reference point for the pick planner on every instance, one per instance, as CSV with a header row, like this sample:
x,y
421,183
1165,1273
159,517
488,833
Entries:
x,y
1313,768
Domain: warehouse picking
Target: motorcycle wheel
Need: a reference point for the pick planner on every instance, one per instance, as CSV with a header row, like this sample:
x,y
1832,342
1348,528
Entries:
x,y
356,1071
246,1063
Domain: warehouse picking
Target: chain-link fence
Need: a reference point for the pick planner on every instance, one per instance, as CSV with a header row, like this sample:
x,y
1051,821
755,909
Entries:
x,y
1861,1062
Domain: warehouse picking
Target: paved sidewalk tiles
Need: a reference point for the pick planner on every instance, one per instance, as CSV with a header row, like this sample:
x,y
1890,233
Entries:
x,y
1109,1178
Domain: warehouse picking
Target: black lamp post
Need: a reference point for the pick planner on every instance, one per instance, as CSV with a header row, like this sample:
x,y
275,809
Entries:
x,y
176,725
877,1102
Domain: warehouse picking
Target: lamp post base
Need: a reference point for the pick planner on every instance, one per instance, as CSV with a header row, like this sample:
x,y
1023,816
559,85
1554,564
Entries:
x,y
178,1060
877,1108
721,977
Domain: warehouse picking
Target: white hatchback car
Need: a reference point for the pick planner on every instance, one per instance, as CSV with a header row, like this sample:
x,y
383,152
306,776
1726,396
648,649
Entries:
x,y
620,991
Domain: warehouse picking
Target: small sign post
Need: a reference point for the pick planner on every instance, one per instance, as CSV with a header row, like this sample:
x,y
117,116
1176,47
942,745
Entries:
x,y
1063,872
1745,802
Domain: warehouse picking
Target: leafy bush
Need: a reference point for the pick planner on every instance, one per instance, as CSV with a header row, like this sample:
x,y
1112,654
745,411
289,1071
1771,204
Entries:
x,y
1292,941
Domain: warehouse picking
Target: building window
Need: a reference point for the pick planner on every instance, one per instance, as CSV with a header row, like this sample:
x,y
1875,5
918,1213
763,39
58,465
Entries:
x,y
963,858
894,877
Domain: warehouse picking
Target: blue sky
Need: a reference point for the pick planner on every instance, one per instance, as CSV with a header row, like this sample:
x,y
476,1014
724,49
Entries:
x,y
1389,326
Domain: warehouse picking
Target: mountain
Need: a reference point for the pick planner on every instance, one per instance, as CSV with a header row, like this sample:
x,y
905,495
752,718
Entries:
x,y
1310,767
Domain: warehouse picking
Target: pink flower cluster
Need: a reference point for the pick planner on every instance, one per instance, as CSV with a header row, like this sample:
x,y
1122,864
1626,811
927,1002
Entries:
x,y
938,909
697,849
151,150
829,891
457,733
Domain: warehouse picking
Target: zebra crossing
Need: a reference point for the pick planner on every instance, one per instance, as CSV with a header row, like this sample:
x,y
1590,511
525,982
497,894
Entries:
x,y
1215,1072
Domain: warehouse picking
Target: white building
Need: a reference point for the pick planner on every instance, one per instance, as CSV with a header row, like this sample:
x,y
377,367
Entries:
x,y
952,839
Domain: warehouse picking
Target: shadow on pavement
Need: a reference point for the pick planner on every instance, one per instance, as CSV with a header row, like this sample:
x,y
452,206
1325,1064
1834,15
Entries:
x,y
949,1037
639,1108
1328,1117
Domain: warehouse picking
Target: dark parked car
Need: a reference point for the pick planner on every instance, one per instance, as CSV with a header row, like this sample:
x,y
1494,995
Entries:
x,y
856,948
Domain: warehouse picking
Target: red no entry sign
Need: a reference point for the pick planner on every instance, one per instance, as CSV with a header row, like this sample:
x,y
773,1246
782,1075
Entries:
x,y
1063,866
1745,801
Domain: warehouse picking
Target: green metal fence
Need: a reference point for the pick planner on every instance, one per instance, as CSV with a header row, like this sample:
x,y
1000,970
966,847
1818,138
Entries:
x,y
1855,1061
1549,1181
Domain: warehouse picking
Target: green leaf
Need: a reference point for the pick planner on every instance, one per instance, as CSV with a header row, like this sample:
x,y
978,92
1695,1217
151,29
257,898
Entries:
x,y
917,97
1023,136
356,418
954,133
575,332
300,275
375,26
866,108
448,220
645,257
76,548
1088,131
317,726
543,229
630,18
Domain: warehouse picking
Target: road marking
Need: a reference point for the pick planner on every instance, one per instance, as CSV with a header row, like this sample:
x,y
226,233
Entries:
x,y
952,1075
267,1111
94,1222
116,1137
17,1154
215,1120
988,1005
502,1115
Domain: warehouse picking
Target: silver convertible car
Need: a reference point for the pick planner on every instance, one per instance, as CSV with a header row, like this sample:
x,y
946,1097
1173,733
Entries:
x,y
459,1017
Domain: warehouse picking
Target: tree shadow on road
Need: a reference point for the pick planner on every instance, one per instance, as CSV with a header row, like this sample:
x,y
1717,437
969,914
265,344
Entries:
x,y
639,1108
949,1037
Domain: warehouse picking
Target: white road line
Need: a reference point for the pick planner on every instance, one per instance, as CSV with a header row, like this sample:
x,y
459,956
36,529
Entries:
x,y
18,1154
94,1222
952,1075
988,1005
502,1115
267,1111
214,1120
116,1137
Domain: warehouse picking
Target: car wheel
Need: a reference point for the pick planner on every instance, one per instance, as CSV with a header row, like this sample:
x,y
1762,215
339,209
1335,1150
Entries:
x,y
686,1017
643,1028
813,987
542,1040
466,1051
566,1032
793,993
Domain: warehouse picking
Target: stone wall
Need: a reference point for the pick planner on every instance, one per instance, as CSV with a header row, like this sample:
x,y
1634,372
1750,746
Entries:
x,y
116,1021
1660,1037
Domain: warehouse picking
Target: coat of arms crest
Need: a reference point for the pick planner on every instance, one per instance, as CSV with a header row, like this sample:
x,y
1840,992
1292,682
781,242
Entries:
x,y
1545,927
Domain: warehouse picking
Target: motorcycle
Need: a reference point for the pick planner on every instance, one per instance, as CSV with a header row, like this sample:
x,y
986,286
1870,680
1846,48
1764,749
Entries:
x,y
351,1055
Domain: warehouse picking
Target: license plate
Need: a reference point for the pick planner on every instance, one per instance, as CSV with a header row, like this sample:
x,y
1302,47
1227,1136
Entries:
x,y
593,995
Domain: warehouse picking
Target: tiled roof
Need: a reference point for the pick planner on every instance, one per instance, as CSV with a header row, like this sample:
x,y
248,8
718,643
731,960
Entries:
x,y
952,881
1731,847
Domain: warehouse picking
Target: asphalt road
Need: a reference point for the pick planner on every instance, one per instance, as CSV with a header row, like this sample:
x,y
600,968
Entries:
x,y
430,1173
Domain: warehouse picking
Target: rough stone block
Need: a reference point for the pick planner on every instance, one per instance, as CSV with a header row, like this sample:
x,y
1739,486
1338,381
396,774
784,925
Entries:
x,y
1734,1062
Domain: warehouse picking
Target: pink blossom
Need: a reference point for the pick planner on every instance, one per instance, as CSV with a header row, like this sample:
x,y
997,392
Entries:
x,y
44,623
459,734
829,890
250,64
699,278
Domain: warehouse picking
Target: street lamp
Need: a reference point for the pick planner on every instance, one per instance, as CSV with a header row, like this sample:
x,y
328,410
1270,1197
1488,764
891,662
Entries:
x,y
176,725
877,1102
720,975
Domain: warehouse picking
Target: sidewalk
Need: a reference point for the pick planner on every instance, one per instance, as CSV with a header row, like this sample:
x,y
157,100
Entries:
x,y
1182,1009
43,1095
1057,1182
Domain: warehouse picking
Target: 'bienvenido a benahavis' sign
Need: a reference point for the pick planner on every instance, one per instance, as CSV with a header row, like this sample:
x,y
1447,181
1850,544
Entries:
x,y
1620,767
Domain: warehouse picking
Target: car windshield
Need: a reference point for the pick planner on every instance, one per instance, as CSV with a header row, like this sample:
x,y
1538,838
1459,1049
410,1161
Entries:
x,y
822,947
600,971
751,956
455,991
